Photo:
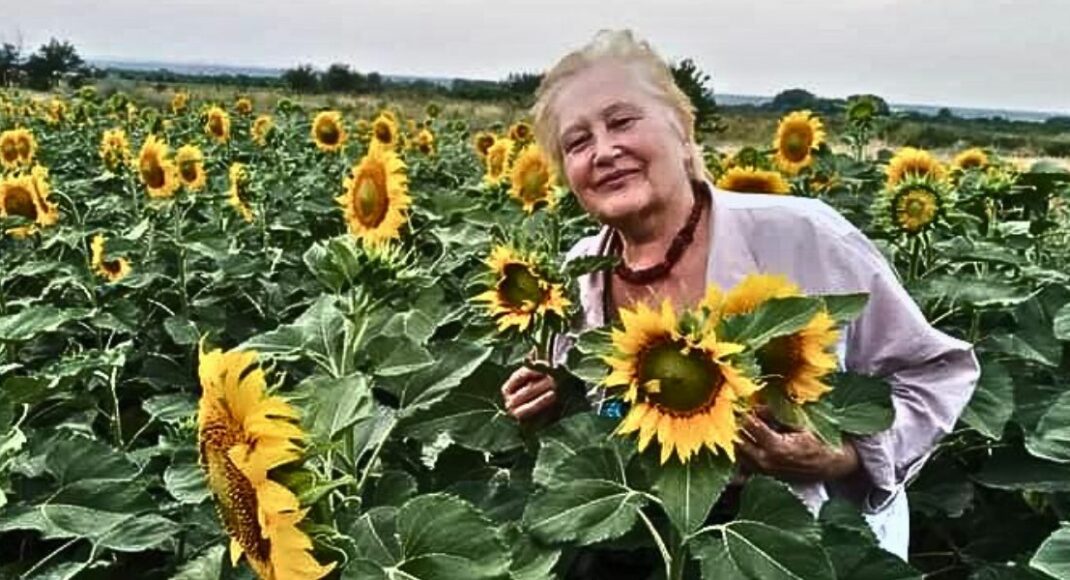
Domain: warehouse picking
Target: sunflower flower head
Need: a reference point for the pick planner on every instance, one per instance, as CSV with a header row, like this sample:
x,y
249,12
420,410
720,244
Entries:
x,y
242,434
520,294
753,180
909,161
521,132
190,162
17,148
218,124
798,135
973,158
532,179
243,106
26,196
114,149
498,161
156,169
796,363
914,205
482,142
56,112
262,128
680,380
384,131
179,102
375,200
425,142
328,132
110,270
239,194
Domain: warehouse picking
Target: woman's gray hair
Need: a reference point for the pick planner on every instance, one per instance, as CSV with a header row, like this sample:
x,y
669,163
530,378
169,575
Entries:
x,y
652,73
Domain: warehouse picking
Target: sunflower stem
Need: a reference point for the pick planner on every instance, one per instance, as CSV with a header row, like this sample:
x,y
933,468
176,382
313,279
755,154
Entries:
x,y
183,293
665,556
374,457
915,251
29,573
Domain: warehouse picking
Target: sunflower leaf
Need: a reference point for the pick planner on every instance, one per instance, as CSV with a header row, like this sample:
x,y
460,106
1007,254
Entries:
x,y
860,404
759,551
845,307
30,322
435,536
1053,557
689,490
776,317
993,401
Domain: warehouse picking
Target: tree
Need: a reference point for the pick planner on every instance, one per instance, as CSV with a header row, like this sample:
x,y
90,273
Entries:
x,y
339,78
10,56
795,99
302,79
50,61
696,85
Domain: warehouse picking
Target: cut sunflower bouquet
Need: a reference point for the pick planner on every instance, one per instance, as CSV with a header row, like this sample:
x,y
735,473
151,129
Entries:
x,y
683,379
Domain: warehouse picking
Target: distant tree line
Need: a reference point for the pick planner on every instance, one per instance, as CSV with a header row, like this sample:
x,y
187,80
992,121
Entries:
x,y
43,69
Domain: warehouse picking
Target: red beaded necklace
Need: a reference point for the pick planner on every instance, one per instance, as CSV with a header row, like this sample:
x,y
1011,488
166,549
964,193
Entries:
x,y
679,244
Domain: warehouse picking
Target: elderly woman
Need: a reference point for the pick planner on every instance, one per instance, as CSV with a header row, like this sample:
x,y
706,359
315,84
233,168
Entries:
x,y
621,132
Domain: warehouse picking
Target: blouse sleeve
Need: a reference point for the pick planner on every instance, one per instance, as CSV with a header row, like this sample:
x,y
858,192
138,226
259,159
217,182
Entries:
x,y
932,375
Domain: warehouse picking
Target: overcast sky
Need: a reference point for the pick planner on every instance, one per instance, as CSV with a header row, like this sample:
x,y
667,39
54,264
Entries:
x,y
984,53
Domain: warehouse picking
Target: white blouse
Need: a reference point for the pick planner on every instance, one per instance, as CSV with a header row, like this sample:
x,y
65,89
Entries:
x,y
932,374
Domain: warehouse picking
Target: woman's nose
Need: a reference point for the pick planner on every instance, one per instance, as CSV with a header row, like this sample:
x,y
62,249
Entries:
x,y
605,151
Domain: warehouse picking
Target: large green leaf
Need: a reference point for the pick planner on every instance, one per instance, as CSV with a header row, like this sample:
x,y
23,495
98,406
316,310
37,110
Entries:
x,y
473,415
317,331
1016,470
769,501
776,317
30,322
1061,324
332,405
758,551
433,537
993,401
860,404
852,547
564,439
589,502
1053,557
420,390
688,490
1051,438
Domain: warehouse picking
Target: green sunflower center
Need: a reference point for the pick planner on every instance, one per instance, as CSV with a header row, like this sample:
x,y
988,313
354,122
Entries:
x,y
688,381
19,201
520,286
370,200
796,144
779,357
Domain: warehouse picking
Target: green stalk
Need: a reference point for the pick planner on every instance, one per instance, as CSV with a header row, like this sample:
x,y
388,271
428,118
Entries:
x,y
915,251
670,569
374,457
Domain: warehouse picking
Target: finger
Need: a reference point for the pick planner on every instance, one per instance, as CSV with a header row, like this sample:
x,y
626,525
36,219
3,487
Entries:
x,y
536,406
760,433
518,379
528,393
751,455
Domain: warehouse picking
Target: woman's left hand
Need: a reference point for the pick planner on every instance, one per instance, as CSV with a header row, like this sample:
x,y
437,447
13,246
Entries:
x,y
794,455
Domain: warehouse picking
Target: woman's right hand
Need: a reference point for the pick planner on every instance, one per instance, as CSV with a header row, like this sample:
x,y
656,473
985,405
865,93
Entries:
x,y
529,393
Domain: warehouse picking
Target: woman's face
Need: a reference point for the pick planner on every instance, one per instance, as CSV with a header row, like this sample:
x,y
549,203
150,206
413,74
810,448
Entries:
x,y
622,152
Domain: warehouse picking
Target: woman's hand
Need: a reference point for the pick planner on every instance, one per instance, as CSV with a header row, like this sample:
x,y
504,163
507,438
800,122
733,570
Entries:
x,y
529,394
795,455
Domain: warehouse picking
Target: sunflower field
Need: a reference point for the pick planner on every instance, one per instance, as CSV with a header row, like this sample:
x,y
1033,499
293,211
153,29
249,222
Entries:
x,y
247,343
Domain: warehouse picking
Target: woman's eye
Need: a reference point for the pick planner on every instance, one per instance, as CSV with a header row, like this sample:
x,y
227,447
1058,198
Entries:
x,y
575,144
621,122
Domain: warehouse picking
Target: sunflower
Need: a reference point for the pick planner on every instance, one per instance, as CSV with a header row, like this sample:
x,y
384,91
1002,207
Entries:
x,y
974,158
425,142
262,127
17,147
376,199
910,161
363,129
26,196
114,149
218,125
797,136
328,132
796,363
520,294
111,270
238,194
482,143
242,434
532,178
682,388
498,161
243,106
915,205
520,132
190,163
179,102
57,112
753,180
384,131
157,172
